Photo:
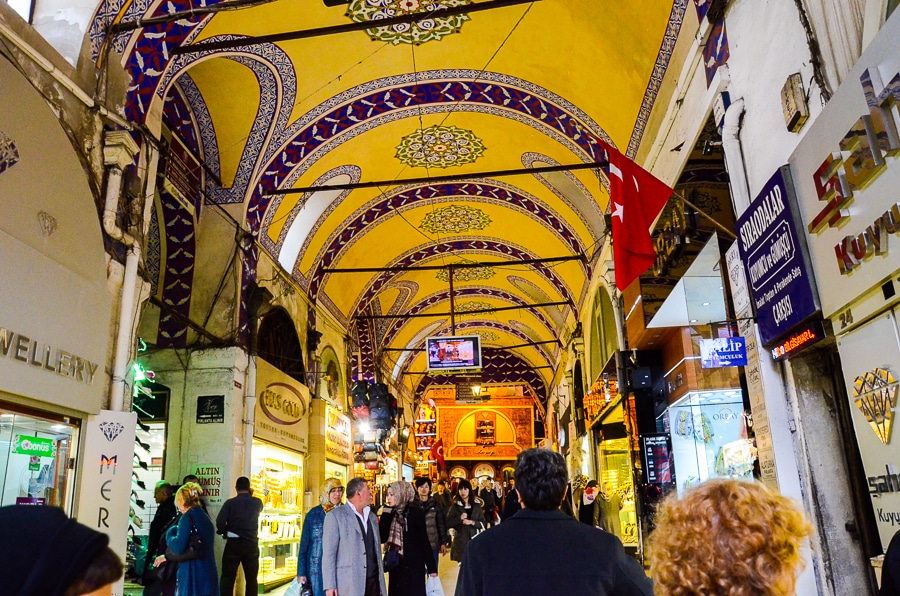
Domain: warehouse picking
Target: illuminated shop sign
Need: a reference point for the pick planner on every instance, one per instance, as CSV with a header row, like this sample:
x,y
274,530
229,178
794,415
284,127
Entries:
x,y
773,255
799,341
846,177
338,436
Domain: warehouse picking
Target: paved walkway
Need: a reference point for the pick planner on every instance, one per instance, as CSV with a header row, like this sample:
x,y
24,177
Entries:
x,y
447,570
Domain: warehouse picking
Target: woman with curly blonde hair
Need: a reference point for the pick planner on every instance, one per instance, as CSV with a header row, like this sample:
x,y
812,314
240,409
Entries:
x,y
728,537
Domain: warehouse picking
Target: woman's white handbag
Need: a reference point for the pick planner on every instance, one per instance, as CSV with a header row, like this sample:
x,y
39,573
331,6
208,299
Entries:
x,y
433,587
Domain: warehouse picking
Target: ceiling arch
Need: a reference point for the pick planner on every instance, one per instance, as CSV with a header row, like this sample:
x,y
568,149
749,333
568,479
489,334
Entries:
x,y
519,87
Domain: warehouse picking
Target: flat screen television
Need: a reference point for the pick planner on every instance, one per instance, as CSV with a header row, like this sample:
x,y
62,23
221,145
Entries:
x,y
450,353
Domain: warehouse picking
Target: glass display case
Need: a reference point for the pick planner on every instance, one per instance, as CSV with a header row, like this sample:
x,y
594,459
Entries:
x,y
615,477
277,479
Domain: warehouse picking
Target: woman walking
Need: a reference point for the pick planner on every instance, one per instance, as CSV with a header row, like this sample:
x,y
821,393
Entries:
x,y
402,527
435,519
466,517
309,563
196,577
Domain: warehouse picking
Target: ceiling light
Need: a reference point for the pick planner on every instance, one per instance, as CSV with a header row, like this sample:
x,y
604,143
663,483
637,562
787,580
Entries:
x,y
706,304
693,320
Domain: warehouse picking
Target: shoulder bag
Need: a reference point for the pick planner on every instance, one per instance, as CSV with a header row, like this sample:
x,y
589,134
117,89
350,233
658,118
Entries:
x,y
194,548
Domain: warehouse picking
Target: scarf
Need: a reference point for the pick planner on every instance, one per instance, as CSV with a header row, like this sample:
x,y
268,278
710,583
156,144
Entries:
x,y
325,494
403,493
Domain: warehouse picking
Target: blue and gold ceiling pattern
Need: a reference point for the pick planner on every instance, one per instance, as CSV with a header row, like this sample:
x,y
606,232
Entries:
x,y
530,84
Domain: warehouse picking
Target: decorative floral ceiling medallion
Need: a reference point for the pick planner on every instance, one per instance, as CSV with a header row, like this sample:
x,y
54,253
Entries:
x,y
467,274
486,336
9,154
455,219
470,306
439,147
428,29
875,394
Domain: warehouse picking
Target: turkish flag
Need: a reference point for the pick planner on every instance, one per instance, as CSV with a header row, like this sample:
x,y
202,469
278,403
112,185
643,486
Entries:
x,y
636,199
437,453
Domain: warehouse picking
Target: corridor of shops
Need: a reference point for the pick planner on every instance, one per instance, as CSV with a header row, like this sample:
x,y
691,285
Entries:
x,y
300,240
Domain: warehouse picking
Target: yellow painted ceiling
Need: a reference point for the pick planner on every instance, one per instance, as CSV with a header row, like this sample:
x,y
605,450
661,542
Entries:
x,y
592,60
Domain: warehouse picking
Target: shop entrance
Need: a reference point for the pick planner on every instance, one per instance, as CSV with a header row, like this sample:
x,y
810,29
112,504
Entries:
x,y
35,451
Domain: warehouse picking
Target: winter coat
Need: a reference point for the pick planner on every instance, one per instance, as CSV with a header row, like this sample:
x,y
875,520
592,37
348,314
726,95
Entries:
x,y
436,524
344,552
198,577
464,532
309,560
409,578
549,552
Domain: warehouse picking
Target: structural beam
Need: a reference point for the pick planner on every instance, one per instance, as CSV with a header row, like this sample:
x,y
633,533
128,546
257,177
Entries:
x,y
347,28
463,313
454,265
591,165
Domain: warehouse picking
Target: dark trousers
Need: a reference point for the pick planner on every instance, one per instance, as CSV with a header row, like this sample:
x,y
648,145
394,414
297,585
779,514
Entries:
x,y
239,552
373,586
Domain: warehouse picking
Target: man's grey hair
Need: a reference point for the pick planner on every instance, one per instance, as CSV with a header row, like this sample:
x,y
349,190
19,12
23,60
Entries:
x,y
354,486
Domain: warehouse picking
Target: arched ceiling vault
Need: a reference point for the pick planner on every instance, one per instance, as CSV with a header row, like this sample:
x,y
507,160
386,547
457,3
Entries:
x,y
522,86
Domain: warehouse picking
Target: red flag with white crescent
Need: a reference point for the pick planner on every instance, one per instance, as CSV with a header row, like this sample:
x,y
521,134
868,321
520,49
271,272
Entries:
x,y
636,198
437,452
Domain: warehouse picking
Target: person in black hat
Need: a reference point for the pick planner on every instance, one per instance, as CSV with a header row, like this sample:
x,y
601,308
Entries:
x,y
44,553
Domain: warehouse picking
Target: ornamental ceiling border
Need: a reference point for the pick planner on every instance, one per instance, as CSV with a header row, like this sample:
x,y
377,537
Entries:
x,y
528,160
500,366
410,197
536,293
465,292
207,147
667,47
408,359
485,246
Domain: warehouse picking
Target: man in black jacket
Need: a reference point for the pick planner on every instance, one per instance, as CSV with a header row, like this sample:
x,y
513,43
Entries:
x,y
165,513
541,550
238,522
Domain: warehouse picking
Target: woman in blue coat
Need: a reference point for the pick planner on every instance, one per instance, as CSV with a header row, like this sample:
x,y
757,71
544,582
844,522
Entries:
x,y
309,563
197,577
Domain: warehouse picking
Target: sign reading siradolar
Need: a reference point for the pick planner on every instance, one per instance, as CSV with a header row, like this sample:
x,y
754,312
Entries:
x,y
773,256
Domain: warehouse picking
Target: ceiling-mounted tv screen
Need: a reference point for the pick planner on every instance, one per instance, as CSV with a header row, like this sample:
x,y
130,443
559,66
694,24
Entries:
x,y
458,352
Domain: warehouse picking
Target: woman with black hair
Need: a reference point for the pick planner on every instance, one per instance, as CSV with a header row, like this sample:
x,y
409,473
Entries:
x,y
465,517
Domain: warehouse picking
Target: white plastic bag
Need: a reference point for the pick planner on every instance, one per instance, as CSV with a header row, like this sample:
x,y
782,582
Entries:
x,y
433,587
293,589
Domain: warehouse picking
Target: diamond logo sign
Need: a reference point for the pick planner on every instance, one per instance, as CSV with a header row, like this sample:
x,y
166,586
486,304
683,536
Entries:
x,y
111,430
875,394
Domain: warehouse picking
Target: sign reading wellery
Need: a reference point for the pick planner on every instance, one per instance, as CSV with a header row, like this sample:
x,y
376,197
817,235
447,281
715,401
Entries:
x,y
774,259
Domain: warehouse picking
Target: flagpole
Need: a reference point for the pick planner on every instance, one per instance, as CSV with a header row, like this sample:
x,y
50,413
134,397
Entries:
x,y
706,215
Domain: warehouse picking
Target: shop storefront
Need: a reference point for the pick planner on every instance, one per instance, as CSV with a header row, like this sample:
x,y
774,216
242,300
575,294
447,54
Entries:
x,y
54,326
846,174
338,445
277,470
615,479
709,437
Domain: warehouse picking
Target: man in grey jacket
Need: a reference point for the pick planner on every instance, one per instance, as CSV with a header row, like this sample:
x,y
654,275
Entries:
x,y
351,546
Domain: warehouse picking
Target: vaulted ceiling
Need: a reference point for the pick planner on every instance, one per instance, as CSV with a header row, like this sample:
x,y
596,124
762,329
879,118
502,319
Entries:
x,y
518,86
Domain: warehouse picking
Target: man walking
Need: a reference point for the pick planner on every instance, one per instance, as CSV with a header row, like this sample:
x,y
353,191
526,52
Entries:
x,y
541,550
351,543
165,514
238,522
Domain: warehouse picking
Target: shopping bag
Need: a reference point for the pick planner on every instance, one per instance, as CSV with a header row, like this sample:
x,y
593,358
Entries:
x,y
293,589
433,587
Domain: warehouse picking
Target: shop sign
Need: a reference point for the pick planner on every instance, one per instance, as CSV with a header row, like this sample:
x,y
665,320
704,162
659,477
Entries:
x,y
870,358
657,458
772,251
723,351
847,175
338,436
25,445
211,477
45,357
799,340
281,407
210,409
104,486
31,501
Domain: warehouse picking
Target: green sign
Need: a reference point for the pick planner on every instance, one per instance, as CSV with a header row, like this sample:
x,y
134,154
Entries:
x,y
26,445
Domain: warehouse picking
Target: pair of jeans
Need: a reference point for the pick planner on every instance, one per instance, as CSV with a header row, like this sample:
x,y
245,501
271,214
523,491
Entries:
x,y
437,557
239,552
